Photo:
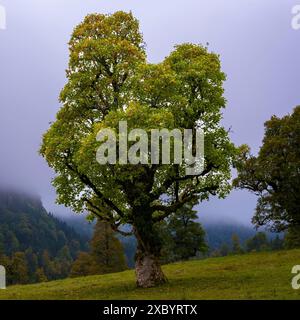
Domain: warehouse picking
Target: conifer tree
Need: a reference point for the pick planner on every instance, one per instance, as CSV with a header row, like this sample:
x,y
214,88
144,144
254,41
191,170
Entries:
x,y
182,235
19,268
106,256
107,250
236,247
40,275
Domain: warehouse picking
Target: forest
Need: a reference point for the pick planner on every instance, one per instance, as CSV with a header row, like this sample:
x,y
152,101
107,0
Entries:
x,y
36,246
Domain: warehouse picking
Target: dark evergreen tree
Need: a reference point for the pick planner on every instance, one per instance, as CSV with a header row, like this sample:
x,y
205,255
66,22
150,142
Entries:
x,y
292,237
277,243
258,243
182,236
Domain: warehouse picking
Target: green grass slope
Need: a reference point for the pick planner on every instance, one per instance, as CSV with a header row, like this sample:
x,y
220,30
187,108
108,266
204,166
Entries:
x,y
252,276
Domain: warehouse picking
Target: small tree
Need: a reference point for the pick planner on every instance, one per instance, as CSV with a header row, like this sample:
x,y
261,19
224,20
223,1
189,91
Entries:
x,y
109,80
48,265
18,268
183,236
277,243
106,256
84,265
257,243
224,250
274,176
236,246
292,237
106,249
40,275
63,262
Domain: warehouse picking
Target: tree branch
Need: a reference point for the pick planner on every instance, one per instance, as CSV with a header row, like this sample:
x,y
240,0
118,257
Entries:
x,y
85,179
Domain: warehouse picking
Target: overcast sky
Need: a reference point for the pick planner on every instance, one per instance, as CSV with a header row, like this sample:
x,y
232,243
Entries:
x,y
260,54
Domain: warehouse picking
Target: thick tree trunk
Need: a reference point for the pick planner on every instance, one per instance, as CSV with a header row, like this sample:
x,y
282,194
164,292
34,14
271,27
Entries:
x,y
148,271
147,265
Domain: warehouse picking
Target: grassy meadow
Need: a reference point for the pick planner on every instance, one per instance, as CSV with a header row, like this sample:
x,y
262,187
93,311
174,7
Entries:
x,y
265,275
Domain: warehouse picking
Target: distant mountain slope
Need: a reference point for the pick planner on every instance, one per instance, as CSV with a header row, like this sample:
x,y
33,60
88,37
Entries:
x,y
220,233
80,224
24,223
34,242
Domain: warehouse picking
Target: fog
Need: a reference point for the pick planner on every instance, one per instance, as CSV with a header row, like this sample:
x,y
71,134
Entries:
x,y
259,51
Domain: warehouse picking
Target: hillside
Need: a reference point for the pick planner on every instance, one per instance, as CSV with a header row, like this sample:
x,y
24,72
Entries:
x,y
24,223
252,276
33,243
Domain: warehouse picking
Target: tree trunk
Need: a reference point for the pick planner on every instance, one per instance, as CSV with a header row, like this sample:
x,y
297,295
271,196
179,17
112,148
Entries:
x,y
148,271
147,266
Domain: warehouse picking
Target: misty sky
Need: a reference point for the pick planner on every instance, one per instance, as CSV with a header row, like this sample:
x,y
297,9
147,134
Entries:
x,y
260,53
